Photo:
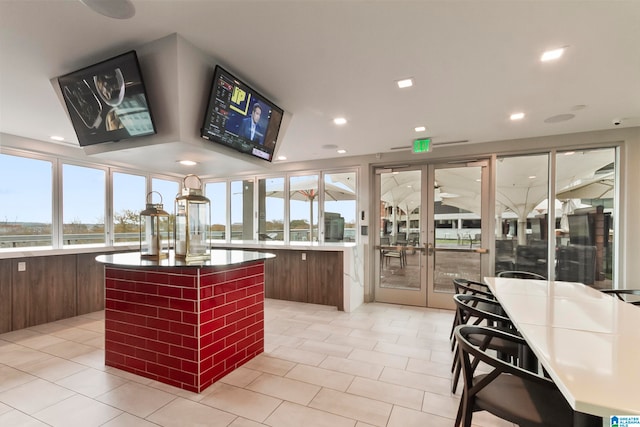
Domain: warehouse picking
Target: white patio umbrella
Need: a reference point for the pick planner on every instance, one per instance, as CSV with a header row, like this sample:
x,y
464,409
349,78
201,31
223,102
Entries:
x,y
521,184
306,190
568,206
459,187
522,181
543,207
597,188
401,190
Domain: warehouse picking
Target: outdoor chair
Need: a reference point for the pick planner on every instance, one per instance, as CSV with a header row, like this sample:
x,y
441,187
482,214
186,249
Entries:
x,y
476,310
399,252
505,390
387,252
622,293
521,275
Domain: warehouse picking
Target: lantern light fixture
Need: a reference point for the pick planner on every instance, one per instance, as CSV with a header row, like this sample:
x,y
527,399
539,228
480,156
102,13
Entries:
x,y
154,230
193,216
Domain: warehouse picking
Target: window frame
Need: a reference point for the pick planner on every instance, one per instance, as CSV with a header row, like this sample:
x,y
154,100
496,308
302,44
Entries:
x,y
108,203
54,200
287,203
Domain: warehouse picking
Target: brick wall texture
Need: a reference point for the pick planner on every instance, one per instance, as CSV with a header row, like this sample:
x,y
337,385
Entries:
x,y
187,327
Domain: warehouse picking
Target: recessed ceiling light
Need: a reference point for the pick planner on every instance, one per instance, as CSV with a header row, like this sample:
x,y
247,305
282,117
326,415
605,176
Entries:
x,y
118,9
420,128
404,83
282,157
187,162
559,118
57,138
569,153
550,55
517,116
340,121
532,177
342,151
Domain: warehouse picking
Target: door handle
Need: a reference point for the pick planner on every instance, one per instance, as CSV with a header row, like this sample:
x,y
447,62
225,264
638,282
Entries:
x,y
430,249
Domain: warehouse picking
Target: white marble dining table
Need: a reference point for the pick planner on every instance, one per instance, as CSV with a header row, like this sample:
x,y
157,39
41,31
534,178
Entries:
x,y
587,341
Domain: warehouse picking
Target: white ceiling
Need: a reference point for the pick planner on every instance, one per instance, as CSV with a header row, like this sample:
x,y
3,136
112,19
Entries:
x,y
474,63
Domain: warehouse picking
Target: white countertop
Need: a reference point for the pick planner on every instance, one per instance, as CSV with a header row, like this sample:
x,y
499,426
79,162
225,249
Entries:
x,y
276,244
214,258
8,253
589,342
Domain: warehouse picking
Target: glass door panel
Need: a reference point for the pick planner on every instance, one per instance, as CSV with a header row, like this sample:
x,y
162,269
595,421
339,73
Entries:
x,y
573,234
522,214
401,275
455,246
584,235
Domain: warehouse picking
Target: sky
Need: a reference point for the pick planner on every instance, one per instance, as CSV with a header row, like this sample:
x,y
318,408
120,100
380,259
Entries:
x,y
25,189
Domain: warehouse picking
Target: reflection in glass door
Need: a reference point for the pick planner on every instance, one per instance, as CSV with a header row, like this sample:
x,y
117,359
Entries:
x,y
401,278
417,263
456,245
570,238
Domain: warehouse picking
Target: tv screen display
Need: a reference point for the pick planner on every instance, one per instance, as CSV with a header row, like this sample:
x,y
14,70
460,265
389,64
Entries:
x,y
240,118
580,230
107,101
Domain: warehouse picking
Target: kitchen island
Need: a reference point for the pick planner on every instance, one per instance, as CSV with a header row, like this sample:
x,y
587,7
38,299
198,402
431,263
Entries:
x,y
186,324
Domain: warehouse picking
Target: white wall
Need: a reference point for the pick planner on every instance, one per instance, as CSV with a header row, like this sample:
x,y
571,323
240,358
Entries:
x,y
629,255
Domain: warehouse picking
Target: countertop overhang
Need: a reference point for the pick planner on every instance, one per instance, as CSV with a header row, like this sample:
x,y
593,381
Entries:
x,y
217,258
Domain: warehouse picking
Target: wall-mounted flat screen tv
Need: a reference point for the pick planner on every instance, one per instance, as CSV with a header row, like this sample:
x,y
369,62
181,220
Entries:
x,y
108,101
240,118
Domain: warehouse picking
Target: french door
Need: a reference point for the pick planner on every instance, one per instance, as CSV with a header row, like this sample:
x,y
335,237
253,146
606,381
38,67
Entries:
x,y
431,228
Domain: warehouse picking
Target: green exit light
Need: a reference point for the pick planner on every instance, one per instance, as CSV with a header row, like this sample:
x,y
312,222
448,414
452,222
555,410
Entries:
x,y
422,145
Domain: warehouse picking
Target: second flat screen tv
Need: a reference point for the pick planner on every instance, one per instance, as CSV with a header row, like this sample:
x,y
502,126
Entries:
x,y
240,118
108,101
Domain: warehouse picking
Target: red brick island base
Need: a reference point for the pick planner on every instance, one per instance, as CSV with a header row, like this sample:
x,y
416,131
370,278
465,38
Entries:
x,y
187,326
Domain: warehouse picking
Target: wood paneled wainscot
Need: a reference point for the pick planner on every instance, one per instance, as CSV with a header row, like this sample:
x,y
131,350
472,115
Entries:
x,y
316,274
5,296
42,289
45,291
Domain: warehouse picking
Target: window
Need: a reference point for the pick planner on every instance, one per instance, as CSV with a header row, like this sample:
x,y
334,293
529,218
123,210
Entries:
x,y
586,207
271,221
522,195
169,191
577,222
303,208
444,223
472,223
216,192
271,205
25,202
129,199
242,210
583,211
340,215
83,205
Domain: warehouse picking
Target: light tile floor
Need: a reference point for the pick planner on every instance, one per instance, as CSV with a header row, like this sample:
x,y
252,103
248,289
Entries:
x,y
382,365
